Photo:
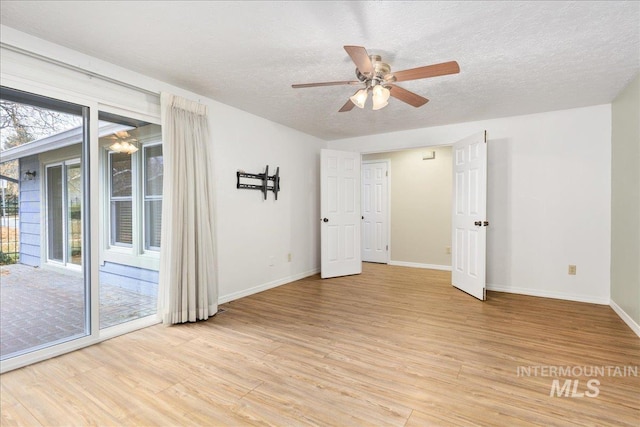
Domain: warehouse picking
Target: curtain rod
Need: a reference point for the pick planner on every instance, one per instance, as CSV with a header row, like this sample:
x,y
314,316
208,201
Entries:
x,y
76,69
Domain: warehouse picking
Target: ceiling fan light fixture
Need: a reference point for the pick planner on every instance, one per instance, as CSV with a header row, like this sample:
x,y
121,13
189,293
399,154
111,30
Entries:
x,y
359,98
123,147
379,105
380,97
117,147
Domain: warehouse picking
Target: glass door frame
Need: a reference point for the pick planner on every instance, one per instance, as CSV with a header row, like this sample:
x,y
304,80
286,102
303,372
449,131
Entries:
x,y
91,212
64,165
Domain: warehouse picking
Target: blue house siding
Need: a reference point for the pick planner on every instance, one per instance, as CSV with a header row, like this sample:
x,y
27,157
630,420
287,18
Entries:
x,y
30,229
135,279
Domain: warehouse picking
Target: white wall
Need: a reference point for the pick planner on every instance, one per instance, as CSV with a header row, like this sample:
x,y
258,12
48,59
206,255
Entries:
x,y
548,197
625,205
251,230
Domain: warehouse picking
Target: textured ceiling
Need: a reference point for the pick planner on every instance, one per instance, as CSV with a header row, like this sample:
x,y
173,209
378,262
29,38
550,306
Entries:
x,y
515,57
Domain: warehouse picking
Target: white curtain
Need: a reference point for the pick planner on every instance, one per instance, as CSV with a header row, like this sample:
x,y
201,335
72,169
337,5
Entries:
x,y
188,290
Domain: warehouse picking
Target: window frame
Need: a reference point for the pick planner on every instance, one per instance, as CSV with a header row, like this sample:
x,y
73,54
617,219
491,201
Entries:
x,y
148,198
134,255
112,226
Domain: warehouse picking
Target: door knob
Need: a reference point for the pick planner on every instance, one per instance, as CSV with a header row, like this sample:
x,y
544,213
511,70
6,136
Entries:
x,y
478,223
325,219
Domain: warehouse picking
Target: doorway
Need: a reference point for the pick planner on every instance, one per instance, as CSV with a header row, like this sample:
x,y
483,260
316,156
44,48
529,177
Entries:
x,y
375,211
419,206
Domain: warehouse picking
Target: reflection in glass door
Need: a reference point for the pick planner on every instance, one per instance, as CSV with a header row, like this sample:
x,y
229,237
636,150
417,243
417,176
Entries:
x,y
43,150
132,166
74,213
55,226
64,213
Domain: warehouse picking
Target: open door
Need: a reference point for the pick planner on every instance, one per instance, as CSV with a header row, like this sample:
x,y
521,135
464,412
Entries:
x,y
469,240
340,213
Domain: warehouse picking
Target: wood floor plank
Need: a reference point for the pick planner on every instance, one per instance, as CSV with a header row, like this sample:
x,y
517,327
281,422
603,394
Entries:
x,y
393,346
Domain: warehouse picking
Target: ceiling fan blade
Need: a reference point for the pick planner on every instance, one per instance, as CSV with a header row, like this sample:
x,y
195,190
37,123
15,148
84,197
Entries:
x,y
347,107
346,82
407,96
361,58
434,70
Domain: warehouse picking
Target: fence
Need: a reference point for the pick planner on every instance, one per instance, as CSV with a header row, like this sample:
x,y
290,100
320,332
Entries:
x,y
9,231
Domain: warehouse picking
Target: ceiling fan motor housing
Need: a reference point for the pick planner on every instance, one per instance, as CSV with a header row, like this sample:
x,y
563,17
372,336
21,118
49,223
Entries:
x,y
381,72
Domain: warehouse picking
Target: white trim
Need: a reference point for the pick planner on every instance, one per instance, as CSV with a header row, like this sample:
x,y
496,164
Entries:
x,y
625,317
265,286
420,265
547,294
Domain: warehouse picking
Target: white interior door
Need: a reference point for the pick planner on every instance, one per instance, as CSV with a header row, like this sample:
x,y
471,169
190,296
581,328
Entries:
x,y
375,208
469,215
340,213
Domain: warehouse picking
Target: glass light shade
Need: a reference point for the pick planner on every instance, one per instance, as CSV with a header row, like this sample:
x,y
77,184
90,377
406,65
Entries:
x,y
359,98
380,97
123,147
378,105
130,148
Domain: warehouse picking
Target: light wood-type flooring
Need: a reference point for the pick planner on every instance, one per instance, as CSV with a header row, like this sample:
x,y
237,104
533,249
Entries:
x,y
394,346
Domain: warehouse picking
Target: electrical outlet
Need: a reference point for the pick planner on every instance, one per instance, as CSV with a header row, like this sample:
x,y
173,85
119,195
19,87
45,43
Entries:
x,y
572,270
272,261
289,257
448,250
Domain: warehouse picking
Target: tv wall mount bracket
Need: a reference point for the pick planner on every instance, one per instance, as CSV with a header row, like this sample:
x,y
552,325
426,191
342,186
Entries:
x,y
265,178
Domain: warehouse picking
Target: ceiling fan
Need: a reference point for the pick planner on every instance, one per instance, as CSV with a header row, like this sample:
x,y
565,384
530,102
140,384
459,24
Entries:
x,y
378,79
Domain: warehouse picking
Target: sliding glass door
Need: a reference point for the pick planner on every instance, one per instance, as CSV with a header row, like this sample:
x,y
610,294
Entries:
x,y
47,293
45,285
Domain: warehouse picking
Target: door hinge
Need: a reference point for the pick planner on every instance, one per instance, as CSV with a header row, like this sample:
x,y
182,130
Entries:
x,y
387,247
386,173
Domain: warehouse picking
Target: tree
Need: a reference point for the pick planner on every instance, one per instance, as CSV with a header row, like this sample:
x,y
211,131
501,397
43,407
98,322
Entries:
x,y
21,124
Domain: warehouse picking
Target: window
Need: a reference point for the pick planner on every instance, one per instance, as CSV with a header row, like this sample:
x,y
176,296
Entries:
x,y
153,175
121,201
133,166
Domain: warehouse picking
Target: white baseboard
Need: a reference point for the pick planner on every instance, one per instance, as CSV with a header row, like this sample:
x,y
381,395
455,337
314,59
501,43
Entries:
x,y
548,294
625,318
273,284
420,265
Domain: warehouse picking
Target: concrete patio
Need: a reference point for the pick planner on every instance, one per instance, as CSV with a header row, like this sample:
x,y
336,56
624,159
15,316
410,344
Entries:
x,y
39,307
